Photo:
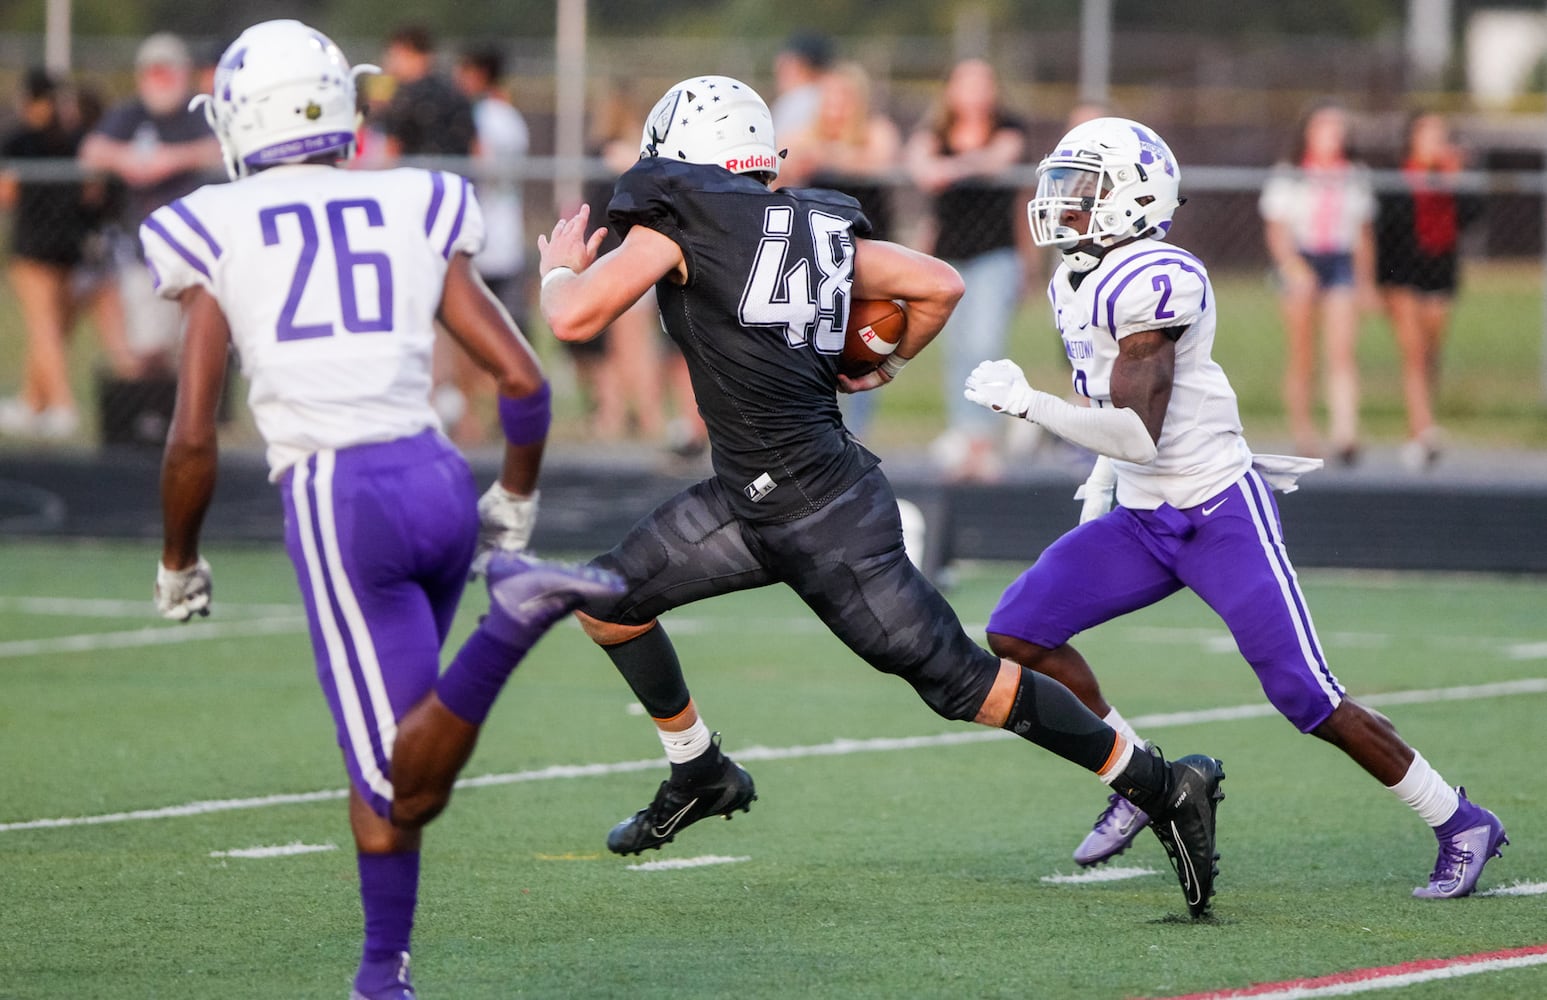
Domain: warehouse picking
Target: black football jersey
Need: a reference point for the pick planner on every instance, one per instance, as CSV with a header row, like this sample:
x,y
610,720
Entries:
x,y
761,323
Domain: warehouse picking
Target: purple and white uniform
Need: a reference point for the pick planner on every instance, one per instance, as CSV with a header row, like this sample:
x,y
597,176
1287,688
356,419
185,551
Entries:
x,y
330,280
1198,516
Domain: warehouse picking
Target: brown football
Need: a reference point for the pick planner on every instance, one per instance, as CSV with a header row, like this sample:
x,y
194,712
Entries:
x,y
875,327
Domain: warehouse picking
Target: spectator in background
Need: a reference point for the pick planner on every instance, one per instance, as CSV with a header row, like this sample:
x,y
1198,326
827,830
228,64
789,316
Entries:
x,y
623,374
48,232
959,156
1318,208
161,151
502,142
1418,230
848,147
427,115
798,70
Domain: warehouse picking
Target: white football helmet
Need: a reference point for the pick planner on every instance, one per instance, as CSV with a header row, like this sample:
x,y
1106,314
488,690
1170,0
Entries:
x,y
1119,171
283,93
714,120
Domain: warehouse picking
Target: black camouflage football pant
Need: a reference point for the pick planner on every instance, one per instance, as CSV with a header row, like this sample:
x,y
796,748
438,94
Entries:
x,y
846,561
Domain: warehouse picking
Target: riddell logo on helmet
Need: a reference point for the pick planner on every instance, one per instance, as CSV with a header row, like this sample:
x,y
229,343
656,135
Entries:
x,y
760,161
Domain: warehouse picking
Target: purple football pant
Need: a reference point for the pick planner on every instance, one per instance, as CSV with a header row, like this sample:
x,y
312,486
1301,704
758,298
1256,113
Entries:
x,y
381,536
1229,550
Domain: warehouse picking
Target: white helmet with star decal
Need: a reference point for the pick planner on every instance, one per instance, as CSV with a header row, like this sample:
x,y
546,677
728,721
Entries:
x,y
1119,171
713,120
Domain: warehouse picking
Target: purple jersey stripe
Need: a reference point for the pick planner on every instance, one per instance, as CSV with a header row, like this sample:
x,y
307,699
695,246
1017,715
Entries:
x,y
437,195
154,225
1112,299
456,224
197,226
1180,257
1256,496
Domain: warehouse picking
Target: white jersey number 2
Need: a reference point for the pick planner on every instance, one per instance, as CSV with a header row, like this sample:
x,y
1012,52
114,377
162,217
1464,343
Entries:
x,y
783,297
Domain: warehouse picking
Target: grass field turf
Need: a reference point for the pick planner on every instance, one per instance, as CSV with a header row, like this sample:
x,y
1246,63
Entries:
x,y
912,872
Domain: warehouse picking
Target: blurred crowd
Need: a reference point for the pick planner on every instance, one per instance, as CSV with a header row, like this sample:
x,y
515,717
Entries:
x,y
1338,249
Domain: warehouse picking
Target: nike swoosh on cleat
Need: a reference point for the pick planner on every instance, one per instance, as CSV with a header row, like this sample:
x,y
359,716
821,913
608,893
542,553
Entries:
x,y
672,822
1184,864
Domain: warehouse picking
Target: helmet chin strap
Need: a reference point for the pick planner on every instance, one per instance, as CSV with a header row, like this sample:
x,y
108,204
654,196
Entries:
x,y
1080,253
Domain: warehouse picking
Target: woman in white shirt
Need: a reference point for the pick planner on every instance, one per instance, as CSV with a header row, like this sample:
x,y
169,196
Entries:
x,y
1318,209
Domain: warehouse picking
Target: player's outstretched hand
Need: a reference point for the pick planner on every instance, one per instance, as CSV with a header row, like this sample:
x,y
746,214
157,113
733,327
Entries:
x,y
183,593
1000,386
567,246
505,522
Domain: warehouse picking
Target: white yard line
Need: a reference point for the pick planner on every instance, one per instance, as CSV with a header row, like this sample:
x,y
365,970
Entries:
x,y
167,634
101,607
672,864
1342,984
1099,875
274,851
835,748
1518,889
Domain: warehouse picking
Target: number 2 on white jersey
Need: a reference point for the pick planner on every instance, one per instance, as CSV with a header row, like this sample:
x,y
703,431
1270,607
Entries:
x,y
784,298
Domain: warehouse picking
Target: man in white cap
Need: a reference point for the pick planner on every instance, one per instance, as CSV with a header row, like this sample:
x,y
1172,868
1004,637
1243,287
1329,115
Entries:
x,y
161,151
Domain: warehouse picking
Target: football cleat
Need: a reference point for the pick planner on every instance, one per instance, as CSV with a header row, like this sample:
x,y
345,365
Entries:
x,y
1185,826
680,804
527,593
1115,830
1464,853
385,980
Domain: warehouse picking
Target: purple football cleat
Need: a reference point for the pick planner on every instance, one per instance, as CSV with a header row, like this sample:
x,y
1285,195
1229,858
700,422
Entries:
x,y
1113,832
527,594
1464,852
388,980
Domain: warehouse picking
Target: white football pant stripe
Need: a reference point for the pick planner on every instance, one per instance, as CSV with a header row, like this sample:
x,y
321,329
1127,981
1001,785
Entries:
x,y
350,703
1260,502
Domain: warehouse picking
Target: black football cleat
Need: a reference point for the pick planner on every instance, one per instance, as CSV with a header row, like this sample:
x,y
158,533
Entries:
x,y
680,804
1185,826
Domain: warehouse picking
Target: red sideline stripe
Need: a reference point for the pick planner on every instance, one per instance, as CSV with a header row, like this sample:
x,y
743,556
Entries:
x,y
1369,975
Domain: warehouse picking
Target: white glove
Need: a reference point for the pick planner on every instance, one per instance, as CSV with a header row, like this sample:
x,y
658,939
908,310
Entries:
x,y
1099,491
505,522
183,593
1000,386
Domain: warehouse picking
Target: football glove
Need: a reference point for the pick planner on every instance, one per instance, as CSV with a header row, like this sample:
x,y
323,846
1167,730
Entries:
x,y
1099,491
505,523
183,593
1000,386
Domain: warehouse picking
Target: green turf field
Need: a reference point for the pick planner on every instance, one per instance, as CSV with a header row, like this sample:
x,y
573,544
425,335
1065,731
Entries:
x,y
864,870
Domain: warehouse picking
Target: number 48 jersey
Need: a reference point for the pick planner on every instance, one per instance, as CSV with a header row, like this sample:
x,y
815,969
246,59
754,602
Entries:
x,y
330,280
1150,285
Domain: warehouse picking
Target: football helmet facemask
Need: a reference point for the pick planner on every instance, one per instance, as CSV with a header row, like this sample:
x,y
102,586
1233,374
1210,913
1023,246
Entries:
x,y
283,93
1119,171
714,120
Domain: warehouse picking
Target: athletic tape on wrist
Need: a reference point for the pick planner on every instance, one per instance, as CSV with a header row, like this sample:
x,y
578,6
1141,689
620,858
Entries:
x,y
554,274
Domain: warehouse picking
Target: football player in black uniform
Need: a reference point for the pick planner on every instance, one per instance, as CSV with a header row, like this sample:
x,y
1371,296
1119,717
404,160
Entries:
x,y
754,286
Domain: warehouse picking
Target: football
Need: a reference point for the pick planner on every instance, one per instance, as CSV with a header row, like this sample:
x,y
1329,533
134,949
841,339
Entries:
x,y
875,327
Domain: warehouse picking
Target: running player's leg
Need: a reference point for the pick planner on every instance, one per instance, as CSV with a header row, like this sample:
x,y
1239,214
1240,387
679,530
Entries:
x,y
848,563
377,651
689,548
1243,572
1098,571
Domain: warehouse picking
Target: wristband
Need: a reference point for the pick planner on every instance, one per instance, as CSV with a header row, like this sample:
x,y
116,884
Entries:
x,y
525,420
555,273
892,365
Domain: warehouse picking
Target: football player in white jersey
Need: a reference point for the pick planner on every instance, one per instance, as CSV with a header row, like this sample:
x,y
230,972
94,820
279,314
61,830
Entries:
x,y
328,284
1195,507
